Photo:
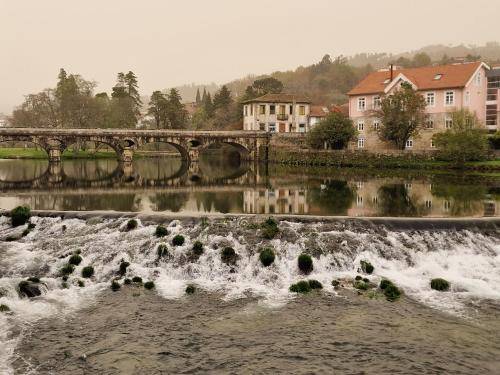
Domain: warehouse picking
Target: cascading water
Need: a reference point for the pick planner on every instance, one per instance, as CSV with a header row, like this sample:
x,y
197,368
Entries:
x,y
469,259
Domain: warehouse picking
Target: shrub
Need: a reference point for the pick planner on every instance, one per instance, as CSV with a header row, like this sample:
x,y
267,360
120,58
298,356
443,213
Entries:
x,y
269,228
228,255
81,283
162,250
149,285
20,215
315,284
4,308
137,279
123,268
35,280
115,285
131,224
267,256
440,284
87,272
384,283
392,292
161,231
366,267
178,240
190,289
67,269
300,287
305,263
361,285
198,248
75,259
127,281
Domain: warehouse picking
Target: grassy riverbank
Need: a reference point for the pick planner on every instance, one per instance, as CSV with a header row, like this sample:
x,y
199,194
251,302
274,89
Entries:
x,y
31,153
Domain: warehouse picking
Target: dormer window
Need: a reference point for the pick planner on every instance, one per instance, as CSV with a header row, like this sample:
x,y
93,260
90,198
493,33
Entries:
x,y
437,77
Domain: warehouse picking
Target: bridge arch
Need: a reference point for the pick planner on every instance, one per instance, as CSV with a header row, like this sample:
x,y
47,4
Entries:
x,y
244,152
183,151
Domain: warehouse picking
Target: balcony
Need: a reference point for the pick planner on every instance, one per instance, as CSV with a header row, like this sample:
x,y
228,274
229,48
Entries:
x,y
282,117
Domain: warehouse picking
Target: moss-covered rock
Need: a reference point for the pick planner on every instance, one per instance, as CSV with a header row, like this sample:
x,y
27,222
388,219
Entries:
x,y
384,283
361,285
149,285
75,259
162,250
367,267
335,283
67,269
302,286
392,292
358,277
440,284
123,268
28,289
178,240
267,256
34,279
197,248
20,215
127,281
137,279
305,263
81,283
190,289
115,286
87,272
161,231
315,284
131,224
4,308
228,255
269,228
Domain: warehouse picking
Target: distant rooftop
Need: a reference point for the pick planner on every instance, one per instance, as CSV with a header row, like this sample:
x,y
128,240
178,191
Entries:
x,y
280,98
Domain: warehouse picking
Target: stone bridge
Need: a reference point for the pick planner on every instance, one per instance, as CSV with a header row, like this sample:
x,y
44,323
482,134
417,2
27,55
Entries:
x,y
252,145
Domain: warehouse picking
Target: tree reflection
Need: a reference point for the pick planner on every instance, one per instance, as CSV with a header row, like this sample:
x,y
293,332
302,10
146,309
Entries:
x,y
335,197
173,202
465,199
394,200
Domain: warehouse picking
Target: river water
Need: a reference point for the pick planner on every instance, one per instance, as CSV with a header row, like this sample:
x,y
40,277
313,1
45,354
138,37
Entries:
x,y
242,318
218,186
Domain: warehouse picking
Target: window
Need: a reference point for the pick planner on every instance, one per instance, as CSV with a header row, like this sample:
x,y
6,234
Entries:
x,y
409,143
438,76
446,205
302,128
272,127
262,109
282,110
361,126
433,145
428,203
361,104
430,98
272,109
429,123
251,109
376,102
376,125
262,126
359,201
291,109
361,143
449,98
448,122
302,110
467,98
245,110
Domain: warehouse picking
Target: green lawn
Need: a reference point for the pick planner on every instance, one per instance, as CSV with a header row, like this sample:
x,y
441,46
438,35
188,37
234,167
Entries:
x,y
31,153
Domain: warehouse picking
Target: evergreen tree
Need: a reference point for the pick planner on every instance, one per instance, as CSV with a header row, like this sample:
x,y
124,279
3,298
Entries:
x,y
176,113
158,108
204,97
198,98
133,88
208,105
222,98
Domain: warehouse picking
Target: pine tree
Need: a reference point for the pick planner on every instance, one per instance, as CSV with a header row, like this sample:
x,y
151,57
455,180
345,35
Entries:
x,y
176,114
158,108
222,98
204,97
133,87
198,98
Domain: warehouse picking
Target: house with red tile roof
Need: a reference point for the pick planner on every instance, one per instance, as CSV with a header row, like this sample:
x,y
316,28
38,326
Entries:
x,y
444,87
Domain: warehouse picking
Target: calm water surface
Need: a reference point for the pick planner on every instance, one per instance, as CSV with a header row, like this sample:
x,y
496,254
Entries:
x,y
216,185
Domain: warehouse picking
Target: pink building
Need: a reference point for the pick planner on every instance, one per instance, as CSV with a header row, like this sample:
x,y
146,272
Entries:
x,y
444,87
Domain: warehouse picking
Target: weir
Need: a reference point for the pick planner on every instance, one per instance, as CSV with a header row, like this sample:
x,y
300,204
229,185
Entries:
x,y
251,145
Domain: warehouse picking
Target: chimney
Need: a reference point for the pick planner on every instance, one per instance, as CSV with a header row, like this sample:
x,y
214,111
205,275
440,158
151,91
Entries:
x,y
392,72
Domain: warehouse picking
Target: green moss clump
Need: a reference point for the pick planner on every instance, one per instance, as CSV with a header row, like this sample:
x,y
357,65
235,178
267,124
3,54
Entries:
x,y
161,231
87,272
178,240
149,285
335,283
190,289
131,224
361,285
67,269
300,287
392,292
197,248
366,280
137,279
123,268
75,259
315,284
34,279
162,250
267,256
65,278
31,226
127,281
269,228
81,283
367,267
440,284
358,278
4,308
25,232
305,263
64,285
228,255
384,283
20,215
115,286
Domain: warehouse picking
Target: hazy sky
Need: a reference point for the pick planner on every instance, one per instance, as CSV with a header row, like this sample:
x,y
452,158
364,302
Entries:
x,y
170,43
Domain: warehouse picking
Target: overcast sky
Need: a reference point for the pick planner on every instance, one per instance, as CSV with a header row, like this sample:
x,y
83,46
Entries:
x,y
170,43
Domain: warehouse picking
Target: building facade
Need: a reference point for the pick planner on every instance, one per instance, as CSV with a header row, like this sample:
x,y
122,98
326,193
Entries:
x,y
493,99
445,88
277,113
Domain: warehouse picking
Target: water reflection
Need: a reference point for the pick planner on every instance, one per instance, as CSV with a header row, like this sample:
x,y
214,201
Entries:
x,y
217,185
